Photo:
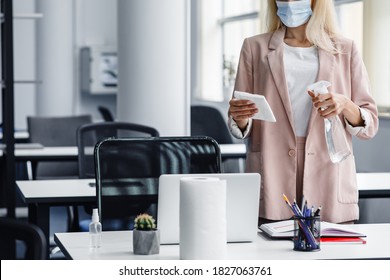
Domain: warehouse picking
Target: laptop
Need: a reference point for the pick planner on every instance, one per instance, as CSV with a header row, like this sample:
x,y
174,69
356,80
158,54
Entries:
x,y
242,205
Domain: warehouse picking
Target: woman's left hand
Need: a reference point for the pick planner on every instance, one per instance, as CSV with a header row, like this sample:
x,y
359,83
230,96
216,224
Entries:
x,y
329,104
333,104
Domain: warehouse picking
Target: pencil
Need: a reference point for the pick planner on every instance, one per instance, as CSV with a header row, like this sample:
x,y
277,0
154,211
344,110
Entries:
x,y
287,201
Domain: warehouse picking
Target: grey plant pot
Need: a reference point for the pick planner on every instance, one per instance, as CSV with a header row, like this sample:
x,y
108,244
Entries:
x,y
146,242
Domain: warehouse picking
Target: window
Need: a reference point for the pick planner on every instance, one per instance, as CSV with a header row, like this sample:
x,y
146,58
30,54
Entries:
x,y
367,22
224,26
350,19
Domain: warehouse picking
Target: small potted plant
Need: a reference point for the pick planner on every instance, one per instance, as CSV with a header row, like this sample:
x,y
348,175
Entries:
x,y
146,237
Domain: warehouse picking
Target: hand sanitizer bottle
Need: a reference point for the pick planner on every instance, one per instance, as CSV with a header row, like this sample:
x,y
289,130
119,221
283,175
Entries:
x,y
95,230
336,141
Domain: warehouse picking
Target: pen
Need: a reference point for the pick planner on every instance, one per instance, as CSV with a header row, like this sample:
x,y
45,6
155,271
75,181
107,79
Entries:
x,y
305,209
295,205
309,235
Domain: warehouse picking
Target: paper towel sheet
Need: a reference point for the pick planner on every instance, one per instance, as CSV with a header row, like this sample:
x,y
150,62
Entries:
x,y
202,218
265,113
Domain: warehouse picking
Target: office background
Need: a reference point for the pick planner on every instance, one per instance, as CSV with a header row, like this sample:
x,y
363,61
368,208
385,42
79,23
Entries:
x,y
156,54
161,49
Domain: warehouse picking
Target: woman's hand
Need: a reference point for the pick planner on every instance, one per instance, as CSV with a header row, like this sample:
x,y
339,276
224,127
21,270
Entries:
x,y
241,110
333,104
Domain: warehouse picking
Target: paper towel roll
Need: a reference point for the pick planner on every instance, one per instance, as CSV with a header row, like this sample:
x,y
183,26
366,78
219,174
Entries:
x,y
202,218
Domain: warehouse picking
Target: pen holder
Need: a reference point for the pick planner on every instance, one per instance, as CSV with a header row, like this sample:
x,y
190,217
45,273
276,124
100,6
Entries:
x,y
307,233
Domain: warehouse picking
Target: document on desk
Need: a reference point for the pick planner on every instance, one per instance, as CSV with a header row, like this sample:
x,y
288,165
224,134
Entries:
x,y
265,113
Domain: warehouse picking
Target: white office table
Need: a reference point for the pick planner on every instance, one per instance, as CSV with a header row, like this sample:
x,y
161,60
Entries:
x,y
373,184
61,191
40,195
71,153
117,245
19,135
34,155
45,153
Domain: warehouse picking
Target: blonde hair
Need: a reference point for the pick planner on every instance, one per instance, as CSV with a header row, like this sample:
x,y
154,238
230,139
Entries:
x,y
321,28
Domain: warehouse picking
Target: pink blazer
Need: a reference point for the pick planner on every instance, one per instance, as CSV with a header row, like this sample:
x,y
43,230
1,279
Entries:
x,y
272,146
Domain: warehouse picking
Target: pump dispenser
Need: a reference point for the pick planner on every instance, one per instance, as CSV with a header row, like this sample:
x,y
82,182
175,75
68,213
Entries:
x,y
95,230
336,141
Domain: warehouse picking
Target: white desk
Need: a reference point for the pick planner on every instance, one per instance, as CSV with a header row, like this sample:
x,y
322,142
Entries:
x,y
19,135
71,153
57,191
40,195
34,155
45,153
373,184
117,245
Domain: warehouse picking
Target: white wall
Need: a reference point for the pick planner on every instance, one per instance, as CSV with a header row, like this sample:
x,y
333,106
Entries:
x,y
95,25
93,22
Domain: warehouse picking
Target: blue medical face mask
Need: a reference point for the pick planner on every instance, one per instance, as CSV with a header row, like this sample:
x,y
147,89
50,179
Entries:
x,y
294,13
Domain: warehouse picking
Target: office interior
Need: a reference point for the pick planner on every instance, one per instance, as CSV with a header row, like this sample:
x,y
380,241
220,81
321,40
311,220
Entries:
x,y
164,57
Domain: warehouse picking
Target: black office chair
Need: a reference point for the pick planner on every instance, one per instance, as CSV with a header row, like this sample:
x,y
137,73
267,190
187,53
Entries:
x,y
88,136
33,242
55,132
208,121
128,169
106,114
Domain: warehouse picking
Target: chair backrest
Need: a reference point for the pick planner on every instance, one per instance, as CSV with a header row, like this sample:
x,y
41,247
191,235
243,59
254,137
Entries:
x,y
32,237
106,114
56,131
128,169
208,121
89,135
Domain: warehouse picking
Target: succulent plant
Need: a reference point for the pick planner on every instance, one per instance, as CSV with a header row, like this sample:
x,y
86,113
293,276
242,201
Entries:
x,y
144,222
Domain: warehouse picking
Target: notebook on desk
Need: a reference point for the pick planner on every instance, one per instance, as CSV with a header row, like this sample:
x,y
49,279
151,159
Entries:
x,y
285,229
242,205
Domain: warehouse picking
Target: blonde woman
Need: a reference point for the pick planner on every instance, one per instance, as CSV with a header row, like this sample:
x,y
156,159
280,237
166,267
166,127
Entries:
x,y
302,47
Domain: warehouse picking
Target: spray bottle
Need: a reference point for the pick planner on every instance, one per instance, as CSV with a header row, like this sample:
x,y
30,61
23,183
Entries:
x,y
336,140
95,230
